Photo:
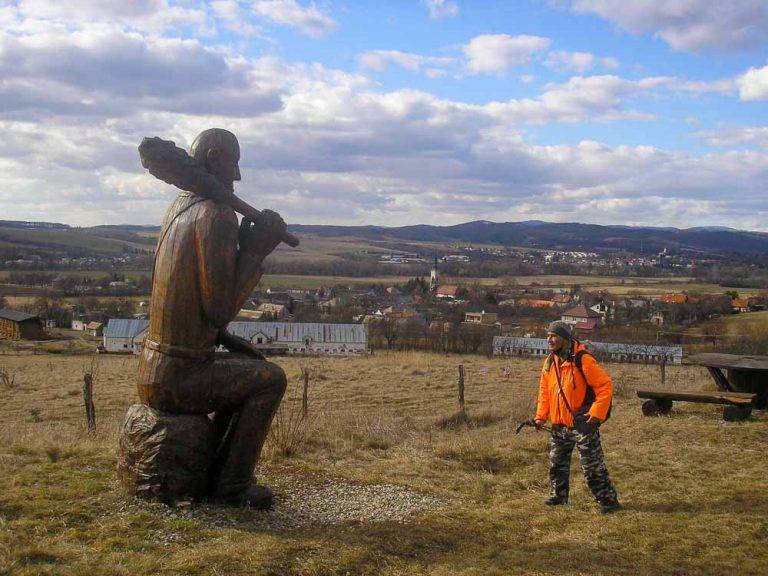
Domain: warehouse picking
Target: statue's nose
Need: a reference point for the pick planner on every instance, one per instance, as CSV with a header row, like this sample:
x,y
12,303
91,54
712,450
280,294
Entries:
x,y
237,172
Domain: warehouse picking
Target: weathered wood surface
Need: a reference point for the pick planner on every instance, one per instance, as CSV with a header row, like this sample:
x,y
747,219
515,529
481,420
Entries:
x,y
90,408
171,164
166,457
730,361
736,398
206,265
744,373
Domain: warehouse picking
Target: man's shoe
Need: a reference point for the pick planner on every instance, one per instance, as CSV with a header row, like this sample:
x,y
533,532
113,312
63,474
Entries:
x,y
556,500
257,497
609,506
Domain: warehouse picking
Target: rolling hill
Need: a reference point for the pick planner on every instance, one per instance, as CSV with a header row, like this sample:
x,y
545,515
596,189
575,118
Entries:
x,y
531,234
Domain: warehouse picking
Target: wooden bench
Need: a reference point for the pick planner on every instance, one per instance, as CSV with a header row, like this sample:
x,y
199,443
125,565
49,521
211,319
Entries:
x,y
742,373
738,405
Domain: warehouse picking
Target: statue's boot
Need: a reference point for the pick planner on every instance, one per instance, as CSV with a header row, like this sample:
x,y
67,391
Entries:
x,y
257,497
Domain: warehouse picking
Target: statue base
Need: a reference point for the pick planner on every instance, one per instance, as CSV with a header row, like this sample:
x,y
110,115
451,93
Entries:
x,y
166,457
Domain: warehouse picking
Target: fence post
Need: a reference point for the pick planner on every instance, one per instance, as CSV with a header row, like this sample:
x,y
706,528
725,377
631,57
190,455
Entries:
x,y
90,409
461,387
663,369
305,392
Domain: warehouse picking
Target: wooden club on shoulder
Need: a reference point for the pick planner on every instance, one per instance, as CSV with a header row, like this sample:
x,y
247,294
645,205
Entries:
x,y
171,164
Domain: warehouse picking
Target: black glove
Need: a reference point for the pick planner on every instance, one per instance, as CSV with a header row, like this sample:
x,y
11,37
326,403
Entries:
x,y
582,425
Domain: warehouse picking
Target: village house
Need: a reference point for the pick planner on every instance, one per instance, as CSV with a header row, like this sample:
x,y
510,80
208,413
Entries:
x,y
485,318
275,297
562,300
603,309
404,314
270,311
15,325
299,338
678,298
745,305
583,319
125,335
95,328
447,292
658,317
535,303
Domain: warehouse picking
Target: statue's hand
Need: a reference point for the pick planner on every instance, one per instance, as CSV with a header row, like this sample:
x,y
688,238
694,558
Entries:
x,y
261,236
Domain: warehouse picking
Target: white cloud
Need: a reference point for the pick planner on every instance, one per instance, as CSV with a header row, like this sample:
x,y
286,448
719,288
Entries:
x,y
496,53
310,20
441,8
381,59
753,84
95,72
233,17
324,145
579,99
687,25
730,136
573,61
579,62
139,14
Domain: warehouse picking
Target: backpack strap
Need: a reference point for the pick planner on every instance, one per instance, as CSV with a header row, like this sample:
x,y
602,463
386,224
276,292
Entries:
x,y
577,359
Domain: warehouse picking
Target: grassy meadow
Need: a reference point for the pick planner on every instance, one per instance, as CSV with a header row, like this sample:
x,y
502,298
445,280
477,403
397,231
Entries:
x,y
695,488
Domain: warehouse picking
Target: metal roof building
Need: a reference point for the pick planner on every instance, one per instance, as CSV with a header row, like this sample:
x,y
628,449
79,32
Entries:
x,y
15,315
616,351
16,325
303,338
125,334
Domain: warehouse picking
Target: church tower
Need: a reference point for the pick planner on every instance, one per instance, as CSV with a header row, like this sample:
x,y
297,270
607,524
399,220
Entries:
x,y
434,277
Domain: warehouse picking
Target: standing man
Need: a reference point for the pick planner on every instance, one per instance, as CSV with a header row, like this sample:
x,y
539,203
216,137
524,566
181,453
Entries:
x,y
575,394
205,267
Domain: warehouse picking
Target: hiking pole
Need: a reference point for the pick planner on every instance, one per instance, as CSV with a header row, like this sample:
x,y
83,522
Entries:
x,y
533,425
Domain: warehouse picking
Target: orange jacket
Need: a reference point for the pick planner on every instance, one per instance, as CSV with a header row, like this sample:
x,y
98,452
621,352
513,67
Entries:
x,y
551,405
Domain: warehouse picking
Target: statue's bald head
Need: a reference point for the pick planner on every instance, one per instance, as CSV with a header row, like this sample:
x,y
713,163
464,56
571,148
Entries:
x,y
217,149
214,139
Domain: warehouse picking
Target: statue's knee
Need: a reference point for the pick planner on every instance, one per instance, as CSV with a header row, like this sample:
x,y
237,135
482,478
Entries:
x,y
280,379
273,376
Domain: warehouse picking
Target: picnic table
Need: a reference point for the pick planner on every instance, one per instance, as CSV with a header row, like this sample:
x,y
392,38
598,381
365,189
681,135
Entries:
x,y
743,386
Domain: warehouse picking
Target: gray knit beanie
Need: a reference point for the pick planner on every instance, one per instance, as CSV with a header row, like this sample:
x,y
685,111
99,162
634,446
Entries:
x,y
561,329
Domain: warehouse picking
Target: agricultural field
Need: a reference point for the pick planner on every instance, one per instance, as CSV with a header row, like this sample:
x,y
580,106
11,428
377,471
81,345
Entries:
x,y
381,477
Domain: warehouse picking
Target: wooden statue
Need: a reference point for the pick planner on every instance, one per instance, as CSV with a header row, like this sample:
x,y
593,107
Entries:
x,y
206,265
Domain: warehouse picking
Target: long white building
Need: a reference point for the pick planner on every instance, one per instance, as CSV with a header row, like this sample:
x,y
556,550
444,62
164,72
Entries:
x,y
301,338
617,352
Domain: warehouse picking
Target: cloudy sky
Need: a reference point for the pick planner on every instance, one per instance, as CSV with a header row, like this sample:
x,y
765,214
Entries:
x,y
650,112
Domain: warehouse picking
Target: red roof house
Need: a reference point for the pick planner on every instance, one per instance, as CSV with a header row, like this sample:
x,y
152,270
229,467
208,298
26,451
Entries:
x,y
580,313
448,291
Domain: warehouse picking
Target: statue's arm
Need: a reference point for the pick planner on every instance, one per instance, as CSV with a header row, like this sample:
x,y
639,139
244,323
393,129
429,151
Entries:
x,y
226,276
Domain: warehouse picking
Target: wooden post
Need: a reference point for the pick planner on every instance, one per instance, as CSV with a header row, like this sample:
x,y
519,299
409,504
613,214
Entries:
x,y
90,409
663,368
305,392
461,387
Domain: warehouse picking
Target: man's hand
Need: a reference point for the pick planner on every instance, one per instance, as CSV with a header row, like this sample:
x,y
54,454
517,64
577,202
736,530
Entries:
x,y
592,421
260,237
539,423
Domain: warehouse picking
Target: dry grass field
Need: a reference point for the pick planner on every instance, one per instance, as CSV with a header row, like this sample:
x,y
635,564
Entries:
x,y
695,488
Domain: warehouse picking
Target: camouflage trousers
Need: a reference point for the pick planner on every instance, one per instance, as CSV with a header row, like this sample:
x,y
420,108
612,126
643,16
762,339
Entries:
x,y
561,445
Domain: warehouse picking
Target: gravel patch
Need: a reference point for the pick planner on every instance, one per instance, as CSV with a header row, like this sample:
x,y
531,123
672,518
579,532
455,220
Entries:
x,y
305,505
340,502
